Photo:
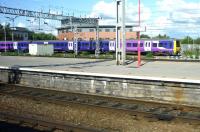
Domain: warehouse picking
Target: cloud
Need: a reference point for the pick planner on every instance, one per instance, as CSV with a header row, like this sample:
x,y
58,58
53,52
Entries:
x,y
107,11
21,24
178,17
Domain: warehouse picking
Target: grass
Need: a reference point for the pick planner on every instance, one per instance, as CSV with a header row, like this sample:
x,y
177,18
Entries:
x,y
149,55
15,53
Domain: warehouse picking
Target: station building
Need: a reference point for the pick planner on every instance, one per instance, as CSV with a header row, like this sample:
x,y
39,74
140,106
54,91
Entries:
x,y
87,31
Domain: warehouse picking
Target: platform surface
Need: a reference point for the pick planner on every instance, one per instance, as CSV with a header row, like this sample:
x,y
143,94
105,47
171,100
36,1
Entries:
x,y
162,69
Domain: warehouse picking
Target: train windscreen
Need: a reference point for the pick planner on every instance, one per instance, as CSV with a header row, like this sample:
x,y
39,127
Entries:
x,y
177,43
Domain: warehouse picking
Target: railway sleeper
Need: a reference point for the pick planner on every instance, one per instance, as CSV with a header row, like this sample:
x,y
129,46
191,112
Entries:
x,y
164,117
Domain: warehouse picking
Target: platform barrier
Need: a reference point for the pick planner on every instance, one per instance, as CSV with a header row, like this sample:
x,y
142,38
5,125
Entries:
x,y
179,91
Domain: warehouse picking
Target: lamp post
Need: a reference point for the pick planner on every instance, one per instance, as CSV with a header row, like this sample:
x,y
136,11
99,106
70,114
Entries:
x,y
5,37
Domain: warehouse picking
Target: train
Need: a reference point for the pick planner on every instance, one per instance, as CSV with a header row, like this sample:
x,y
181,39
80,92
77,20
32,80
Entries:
x,y
169,47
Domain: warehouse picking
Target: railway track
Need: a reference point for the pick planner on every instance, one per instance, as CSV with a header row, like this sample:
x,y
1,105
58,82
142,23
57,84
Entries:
x,y
144,109
44,124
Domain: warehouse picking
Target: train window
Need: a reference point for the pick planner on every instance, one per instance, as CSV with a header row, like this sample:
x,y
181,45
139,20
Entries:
x,y
128,44
141,44
160,44
170,45
178,43
154,44
134,44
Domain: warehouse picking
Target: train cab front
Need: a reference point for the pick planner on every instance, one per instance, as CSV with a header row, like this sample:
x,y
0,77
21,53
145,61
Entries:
x,y
177,47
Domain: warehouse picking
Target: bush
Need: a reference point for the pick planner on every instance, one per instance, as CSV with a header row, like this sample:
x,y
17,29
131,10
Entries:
x,y
85,53
149,55
192,52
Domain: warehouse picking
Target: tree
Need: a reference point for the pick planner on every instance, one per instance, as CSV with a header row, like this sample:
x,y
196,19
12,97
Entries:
x,y
187,40
142,36
162,37
8,32
42,36
197,41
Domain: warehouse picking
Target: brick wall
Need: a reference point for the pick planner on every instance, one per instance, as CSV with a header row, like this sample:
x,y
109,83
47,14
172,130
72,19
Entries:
x,y
92,35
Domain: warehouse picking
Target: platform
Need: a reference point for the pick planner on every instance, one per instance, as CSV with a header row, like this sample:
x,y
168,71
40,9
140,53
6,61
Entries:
x,y
178,70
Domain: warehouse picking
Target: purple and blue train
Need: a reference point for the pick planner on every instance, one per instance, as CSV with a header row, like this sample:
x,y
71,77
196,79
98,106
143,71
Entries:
x,y
170,47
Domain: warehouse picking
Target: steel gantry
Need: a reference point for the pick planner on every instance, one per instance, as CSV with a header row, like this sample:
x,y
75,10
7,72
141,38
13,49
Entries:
x,y
28,13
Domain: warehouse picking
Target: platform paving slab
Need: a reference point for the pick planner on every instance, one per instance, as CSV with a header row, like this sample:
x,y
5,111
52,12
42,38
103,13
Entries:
x,y
162,69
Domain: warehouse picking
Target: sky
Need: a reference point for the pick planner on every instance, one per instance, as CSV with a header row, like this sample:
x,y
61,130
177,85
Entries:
x,y
176,18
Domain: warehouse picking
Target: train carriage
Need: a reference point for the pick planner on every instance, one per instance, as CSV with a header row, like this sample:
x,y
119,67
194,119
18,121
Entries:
x,y
84,45
6,46
132,46
167,47
59,46
21,46
104,46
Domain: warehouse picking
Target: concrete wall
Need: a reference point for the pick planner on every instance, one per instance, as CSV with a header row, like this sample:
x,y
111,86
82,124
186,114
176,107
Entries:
x,y
182,93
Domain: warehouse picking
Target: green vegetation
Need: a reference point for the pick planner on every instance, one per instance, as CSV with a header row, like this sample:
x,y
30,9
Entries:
x,y
192,53
149,55
8,32
31,36
84,53
161,37
14,54
190,40
42,36
143,36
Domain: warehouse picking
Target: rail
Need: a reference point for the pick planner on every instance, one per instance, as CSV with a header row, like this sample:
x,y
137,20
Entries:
x,y
146,109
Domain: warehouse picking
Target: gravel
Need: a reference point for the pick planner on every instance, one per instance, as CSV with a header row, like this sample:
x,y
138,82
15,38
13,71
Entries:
x,y
92,117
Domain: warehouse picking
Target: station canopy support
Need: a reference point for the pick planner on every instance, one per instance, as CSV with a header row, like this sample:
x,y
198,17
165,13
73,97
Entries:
x,y
120,33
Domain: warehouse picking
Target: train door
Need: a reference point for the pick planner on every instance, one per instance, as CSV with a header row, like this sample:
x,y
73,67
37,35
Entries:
x,y
111,45
147,46
15,46
71,45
